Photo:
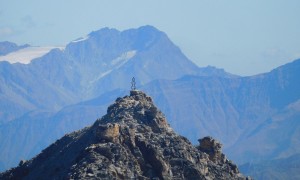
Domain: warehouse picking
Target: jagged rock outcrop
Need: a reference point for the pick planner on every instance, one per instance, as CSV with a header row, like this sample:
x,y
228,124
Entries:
x,y
213,148
132,141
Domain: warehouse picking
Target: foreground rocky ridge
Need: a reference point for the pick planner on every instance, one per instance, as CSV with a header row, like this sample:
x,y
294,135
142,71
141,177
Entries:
x,y
132,141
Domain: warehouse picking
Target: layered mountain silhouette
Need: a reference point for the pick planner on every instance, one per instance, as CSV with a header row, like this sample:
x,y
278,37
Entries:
x,y
255,117
282,168
86,68
132,141
8,47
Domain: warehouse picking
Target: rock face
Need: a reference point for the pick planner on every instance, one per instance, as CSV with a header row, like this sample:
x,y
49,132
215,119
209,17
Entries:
x,y
132,141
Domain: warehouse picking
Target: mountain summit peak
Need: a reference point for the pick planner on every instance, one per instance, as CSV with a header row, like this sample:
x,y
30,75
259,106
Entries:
x,y
136,110
132,141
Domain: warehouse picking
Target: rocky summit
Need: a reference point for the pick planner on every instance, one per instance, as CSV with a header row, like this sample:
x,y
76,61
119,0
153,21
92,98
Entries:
x,y
132,141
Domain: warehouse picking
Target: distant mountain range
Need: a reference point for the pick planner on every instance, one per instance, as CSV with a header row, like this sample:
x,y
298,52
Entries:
x,y
8,47
255,117
283,168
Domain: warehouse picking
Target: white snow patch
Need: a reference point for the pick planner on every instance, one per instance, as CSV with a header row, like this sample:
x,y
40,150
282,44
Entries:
x,y
80,39
25,55
117,63
101,76
123,58
104,74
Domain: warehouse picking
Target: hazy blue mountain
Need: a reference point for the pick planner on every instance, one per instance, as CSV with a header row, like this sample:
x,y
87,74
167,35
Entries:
x,y
103,61
207,101
8,47
28,135
269,107
117,56
25,88
283,168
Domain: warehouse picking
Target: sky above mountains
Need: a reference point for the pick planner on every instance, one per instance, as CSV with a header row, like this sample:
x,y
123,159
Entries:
x,y
243,37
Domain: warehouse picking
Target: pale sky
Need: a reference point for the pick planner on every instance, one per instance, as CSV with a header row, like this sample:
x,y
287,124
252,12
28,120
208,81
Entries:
x,y
244,37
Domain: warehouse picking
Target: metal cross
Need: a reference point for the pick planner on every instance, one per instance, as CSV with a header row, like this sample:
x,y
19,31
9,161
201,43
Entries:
x,y
133,84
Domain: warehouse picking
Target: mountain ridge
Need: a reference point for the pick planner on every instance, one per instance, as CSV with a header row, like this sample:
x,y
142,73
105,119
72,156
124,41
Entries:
x,y
7,47
72,75
133,140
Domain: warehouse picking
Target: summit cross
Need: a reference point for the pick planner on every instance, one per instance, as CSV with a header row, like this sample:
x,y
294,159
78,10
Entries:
x,y
133,84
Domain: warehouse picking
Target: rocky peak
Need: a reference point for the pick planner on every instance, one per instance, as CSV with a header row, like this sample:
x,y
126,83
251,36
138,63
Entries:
x,y
136,110
132,141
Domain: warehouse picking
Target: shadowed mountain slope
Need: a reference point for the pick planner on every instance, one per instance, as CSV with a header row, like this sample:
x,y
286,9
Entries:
x,y
283,168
